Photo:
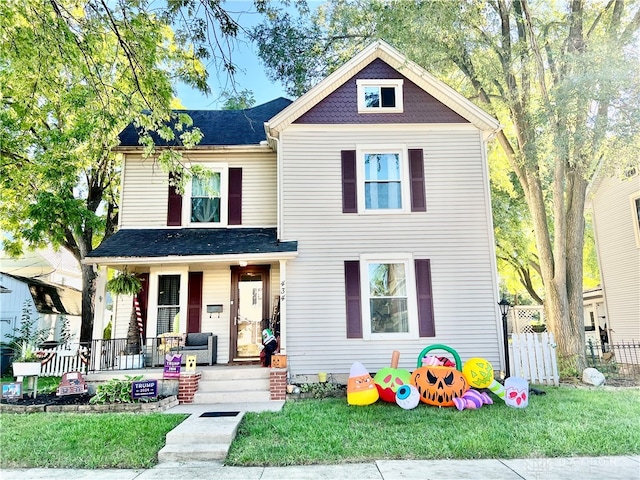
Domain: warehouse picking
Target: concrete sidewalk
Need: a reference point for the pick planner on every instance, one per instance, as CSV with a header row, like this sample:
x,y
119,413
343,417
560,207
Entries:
x,y
582,468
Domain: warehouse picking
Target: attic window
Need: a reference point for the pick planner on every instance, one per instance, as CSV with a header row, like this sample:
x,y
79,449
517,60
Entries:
x,y
379,96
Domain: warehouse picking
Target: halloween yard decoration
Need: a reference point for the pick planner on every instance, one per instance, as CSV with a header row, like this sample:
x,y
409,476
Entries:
x,y
389,379
479,374
472,399
516,392
439,385
407,397
360,387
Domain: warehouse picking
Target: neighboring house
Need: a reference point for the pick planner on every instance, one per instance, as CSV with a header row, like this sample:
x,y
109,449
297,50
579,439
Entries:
x,y
52,304
48,264
595,318
615,206
359,224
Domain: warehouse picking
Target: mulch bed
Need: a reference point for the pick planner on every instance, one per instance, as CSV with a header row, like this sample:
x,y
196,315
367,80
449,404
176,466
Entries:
x,y
51,399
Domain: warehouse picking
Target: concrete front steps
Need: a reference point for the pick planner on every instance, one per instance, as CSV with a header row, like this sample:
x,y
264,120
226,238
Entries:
x,y
221,389
237,384
200,439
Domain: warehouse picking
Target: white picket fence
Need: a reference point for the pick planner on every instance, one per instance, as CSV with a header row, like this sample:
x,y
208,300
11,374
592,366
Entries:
x,y
533,356
61,360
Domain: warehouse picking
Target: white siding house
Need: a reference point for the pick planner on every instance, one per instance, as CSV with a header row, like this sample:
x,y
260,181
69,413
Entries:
x,y
48,304
365,224
615,204
453,232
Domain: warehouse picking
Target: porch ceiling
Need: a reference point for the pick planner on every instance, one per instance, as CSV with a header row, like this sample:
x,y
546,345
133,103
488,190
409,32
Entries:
x,y
133,245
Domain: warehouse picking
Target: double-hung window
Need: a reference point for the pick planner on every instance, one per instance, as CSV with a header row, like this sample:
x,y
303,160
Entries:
x,y
212,200
168,302
384,182
389,297
207,199
380,96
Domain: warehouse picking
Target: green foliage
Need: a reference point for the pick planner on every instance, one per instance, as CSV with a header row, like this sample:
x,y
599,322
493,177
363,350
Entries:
x,y
568,366
323,389
65,332
25,352
238,101
25,339
124,284
106,334
72,76
115,391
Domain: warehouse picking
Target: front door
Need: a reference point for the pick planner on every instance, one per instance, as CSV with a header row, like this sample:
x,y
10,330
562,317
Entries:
x,y
250,287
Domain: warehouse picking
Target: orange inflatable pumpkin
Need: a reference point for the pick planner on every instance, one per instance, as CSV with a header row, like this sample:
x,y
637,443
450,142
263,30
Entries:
x,y
439,385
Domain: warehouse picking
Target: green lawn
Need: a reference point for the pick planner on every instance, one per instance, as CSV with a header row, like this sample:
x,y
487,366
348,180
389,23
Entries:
x,y
71,440
564,422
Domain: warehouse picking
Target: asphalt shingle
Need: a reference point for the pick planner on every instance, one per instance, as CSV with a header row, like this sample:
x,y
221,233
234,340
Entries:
x,y
220,127
191,241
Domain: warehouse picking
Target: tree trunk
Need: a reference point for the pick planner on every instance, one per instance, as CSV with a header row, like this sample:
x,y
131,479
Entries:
x,y
133,335
89,276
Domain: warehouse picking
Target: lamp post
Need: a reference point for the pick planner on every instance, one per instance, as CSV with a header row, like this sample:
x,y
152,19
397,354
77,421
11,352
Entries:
x,y
504,310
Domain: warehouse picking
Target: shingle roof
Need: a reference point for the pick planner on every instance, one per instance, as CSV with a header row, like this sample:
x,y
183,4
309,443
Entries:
x,y
50,298
221,127
191,241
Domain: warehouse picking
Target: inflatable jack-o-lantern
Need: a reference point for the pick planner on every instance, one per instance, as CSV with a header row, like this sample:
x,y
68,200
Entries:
x,y
478,372
439,385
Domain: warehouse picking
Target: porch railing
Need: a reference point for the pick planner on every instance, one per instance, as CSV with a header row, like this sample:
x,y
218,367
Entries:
x,y
116,354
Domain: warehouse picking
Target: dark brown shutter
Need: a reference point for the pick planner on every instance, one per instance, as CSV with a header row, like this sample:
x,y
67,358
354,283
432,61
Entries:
x,y
194,305
426,325
352,296
349,182
235,196
174,207
416,172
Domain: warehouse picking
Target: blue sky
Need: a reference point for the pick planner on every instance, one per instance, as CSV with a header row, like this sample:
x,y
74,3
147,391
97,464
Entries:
x,y
251,73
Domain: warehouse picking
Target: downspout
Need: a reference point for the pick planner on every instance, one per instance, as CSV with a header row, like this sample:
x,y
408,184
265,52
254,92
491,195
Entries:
x,y
276,141
283,263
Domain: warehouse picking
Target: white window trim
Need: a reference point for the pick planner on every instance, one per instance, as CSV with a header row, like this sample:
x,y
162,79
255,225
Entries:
x,y
152,309
396,83
412,295
223,169
361,150
634,215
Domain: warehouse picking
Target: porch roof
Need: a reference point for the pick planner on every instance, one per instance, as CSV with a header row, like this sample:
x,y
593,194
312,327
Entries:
x,y
189,242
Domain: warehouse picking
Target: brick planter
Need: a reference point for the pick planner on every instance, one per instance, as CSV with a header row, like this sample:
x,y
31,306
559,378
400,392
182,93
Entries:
x,y
278,383
188,386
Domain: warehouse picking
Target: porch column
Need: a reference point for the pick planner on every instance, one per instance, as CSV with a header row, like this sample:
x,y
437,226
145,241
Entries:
x,y
99,322
282,290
